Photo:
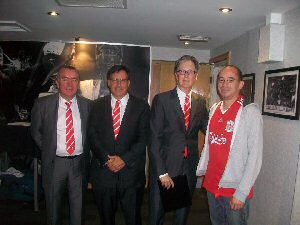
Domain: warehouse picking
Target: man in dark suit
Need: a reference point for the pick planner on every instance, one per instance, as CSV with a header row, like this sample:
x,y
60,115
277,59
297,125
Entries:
x,y
58,126
176,118
118,134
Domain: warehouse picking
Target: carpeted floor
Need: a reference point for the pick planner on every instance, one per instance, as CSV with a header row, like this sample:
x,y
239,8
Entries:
x,y
21,213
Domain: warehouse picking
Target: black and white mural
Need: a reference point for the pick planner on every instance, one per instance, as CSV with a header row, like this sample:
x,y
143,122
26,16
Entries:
x,y
29,69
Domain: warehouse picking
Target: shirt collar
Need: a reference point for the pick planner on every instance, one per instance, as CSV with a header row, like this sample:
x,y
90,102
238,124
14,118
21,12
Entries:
x,y
63,101
123,100
181,93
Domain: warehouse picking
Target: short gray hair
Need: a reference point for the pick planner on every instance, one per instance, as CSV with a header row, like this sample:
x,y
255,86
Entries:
x,y
184,59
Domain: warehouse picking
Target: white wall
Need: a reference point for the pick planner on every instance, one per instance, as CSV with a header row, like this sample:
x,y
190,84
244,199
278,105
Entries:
x,y
277,190
172,54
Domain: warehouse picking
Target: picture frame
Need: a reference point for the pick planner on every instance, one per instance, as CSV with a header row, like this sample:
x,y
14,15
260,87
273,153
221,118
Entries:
x,y
248,90
221,60
281,93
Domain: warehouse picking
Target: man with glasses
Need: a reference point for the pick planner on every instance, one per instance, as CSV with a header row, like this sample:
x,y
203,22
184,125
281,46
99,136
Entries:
x,y
176,118
232,156
118,135
58,127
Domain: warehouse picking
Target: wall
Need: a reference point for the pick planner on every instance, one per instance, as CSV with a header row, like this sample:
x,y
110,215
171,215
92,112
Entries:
x,y
277,190
172,54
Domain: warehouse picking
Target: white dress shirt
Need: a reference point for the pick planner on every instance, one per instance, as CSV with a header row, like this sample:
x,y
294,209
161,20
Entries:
x,y
123,105
61,149
181,96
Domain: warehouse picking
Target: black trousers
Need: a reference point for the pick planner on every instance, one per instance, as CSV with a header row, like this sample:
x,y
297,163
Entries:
x,y
130,199
157,213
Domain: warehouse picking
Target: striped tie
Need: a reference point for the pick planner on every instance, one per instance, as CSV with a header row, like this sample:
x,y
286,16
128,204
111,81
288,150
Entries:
x,y
70,139
117,119
187,118
187,111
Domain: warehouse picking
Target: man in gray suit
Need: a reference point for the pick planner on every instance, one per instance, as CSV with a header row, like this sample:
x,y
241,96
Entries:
x,y
58,127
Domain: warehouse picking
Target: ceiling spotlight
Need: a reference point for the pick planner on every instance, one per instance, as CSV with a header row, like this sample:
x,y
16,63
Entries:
x,y
53,13
186,43
225,10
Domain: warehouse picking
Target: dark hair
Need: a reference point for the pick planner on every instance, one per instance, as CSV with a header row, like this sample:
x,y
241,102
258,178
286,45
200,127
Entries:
x,y
67,68
186,58
116,69
239,72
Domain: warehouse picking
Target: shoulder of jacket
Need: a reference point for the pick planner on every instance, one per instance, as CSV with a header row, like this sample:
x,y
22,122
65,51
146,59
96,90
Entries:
x,y
252,107
47,98
165,93
139,101
81,98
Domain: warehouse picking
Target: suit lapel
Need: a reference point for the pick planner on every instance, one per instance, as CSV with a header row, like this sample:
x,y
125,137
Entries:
x,y
83,117
128,111
194,107
109,116
53,117
176,104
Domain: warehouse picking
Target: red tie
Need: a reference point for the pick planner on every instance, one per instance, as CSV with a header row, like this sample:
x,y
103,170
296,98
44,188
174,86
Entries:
x,y
70,139
117,119
187,118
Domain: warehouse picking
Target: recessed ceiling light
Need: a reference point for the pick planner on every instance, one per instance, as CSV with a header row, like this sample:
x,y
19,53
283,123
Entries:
x,y
186,43
53,13
225,10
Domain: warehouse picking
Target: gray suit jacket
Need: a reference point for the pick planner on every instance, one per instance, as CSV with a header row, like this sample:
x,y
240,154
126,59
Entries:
x,y
44,117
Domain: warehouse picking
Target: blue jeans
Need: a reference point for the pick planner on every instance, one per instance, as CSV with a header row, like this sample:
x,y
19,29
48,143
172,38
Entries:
x,y
222,214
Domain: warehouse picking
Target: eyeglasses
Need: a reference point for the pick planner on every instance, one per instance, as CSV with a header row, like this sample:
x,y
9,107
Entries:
x,y
228,81
66,79
186,72
121,81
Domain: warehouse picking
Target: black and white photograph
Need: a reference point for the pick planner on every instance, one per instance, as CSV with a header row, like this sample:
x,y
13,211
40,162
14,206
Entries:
x,y
28,70
281,93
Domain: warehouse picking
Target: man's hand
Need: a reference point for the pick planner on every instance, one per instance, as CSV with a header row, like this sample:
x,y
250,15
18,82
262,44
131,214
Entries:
x,y
115,163
236,204
167,181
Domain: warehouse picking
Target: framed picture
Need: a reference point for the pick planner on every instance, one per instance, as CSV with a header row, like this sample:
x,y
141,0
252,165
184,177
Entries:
x,y
221,60
281,93
249,87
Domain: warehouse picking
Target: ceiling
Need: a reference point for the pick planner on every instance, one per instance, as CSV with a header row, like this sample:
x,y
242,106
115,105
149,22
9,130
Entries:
x,y
144,22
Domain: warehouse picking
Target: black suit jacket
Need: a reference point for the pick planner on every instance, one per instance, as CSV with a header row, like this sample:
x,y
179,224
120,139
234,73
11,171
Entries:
x,y
130,145
169,135
44,117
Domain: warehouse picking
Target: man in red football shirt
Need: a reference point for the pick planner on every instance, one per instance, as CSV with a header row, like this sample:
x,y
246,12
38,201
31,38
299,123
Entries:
x,y
232,156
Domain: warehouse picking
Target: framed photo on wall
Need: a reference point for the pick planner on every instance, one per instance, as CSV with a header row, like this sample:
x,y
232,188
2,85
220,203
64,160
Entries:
x,y
249,87
281,93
